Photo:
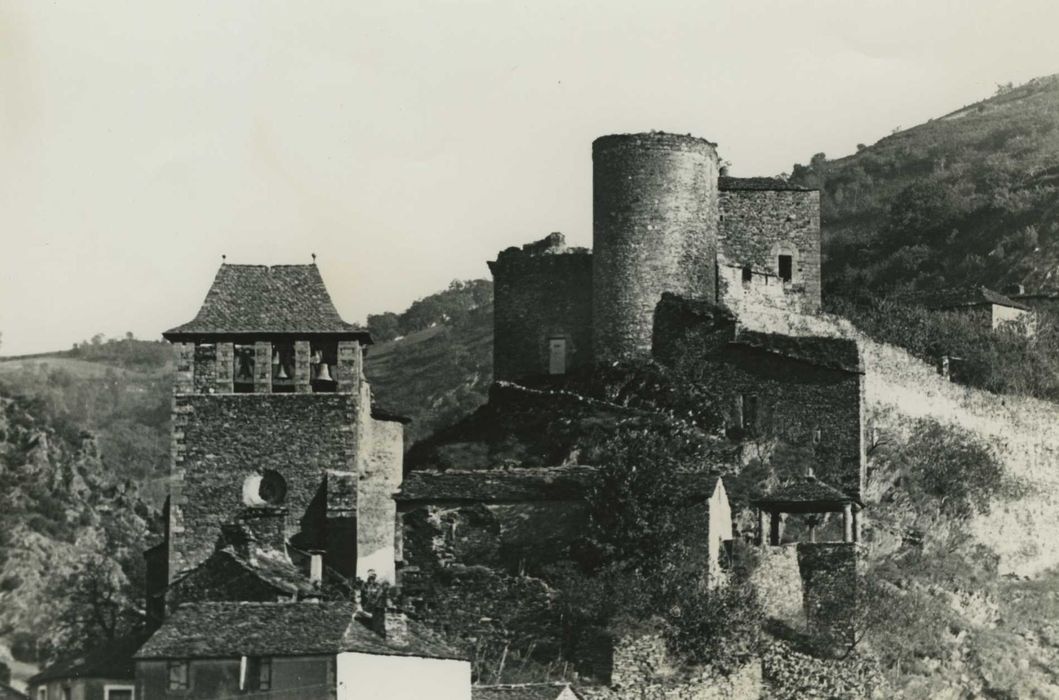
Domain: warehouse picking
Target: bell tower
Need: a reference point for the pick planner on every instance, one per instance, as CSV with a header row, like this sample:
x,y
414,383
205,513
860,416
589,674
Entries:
x,y
272,412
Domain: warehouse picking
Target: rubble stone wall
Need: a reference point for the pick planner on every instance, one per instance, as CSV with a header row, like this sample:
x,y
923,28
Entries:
x,y
655,219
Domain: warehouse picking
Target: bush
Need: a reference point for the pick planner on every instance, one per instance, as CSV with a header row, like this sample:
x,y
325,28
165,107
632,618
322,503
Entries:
x,y
721,626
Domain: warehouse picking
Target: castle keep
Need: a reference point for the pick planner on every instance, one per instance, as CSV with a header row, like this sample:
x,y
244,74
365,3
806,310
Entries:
x,y
663,221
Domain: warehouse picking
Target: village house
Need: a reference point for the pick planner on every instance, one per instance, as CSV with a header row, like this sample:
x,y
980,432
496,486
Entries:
x,y
307,649
986,308
105,673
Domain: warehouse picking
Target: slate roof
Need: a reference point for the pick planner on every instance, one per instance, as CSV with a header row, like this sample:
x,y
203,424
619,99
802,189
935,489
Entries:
x,y
258,299
498,485
229,629
760,184
9,693
113,660
959,297
279,574
520,485
525,691
832,353
805,493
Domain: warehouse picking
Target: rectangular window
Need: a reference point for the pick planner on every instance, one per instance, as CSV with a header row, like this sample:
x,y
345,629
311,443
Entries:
x,y
178,675
750,416
748,275
557,356
786,268
42,693
258,673
119,692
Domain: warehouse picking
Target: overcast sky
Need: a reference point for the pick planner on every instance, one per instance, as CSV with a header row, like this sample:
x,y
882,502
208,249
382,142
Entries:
x,y
406,143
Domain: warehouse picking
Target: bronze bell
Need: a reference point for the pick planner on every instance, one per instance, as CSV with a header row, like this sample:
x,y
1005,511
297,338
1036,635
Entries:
x,y
324,375
245,369
282,373
275,357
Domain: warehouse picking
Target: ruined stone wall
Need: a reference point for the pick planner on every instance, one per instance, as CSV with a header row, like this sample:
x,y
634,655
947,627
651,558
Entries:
x,y
655,220
759,225
778,583
379,469
219,440
830,582
537,297
744,683
795,401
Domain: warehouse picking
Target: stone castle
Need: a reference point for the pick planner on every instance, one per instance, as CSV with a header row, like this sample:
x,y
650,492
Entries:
x,y
288,483
663,221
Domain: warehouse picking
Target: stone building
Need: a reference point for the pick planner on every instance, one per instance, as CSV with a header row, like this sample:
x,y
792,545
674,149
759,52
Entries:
x,y
273,424
663,221
297,650
105,673
988,309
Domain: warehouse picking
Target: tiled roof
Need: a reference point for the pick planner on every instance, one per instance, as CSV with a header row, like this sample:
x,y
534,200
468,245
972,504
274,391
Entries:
x,y
498,485
228,629
964,296
833,353
524,691
805,491
262,299
760,184
9,693
524,484
111,660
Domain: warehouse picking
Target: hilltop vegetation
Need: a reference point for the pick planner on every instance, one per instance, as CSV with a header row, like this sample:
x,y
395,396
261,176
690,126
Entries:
x,y
971,197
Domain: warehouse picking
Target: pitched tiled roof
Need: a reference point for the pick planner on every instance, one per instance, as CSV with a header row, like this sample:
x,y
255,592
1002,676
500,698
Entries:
x,y
112,660
833,353
805,492
761,184
498,485
958,297
9,693
228,629
524,691
524,484
262,299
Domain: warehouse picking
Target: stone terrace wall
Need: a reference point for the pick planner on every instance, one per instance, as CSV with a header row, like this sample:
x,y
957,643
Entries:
x,y
778,583
1024,433
743,684
829,582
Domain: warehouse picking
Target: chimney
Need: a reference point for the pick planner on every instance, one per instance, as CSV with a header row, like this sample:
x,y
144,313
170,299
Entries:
x,y
266,529
316,567
390,623
1016,289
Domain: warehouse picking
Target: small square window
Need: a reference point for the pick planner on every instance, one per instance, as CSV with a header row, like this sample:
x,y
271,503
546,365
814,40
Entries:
x,y
178,675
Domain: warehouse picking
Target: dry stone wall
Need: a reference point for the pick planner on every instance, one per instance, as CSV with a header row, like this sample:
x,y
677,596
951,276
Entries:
x,y
1024,432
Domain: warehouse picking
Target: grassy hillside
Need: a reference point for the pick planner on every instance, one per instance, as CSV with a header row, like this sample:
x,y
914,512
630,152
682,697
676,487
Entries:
x,y
972,196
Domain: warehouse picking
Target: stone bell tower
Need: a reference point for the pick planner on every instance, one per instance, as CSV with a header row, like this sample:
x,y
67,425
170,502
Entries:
x,y
272,419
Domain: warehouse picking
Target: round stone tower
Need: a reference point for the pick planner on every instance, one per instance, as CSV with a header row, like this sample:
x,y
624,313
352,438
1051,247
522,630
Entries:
x,y
655,221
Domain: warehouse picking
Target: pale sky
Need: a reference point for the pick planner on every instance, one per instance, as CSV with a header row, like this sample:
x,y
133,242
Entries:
x,y
406,143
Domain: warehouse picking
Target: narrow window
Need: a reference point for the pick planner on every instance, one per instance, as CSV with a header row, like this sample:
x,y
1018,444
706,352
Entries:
x,y
817,436
749,402
737,413
257,672
557,356
748,275
178,675
42,693
786,268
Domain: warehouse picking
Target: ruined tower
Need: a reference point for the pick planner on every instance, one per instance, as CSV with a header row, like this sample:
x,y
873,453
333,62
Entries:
x,y
273,426
655,224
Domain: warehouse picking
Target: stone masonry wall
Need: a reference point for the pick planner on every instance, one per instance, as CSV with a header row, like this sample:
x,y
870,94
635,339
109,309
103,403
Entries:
x,y
794,400
655,219
537,297
900,388
778,583
219,440
830,583
759,225
379,472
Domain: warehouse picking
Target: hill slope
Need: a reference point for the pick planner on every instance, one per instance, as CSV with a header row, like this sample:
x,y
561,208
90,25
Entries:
x,y
972,196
